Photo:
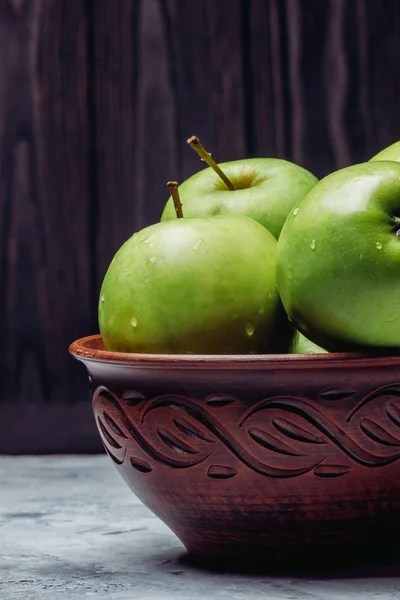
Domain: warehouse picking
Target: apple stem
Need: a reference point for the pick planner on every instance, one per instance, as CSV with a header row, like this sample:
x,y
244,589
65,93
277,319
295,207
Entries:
x,y
173,188
195,143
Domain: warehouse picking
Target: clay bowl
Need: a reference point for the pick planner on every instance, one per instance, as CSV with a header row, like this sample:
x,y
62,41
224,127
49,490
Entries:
x,y
256,456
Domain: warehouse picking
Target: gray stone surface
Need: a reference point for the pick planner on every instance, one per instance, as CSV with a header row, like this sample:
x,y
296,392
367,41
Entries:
x,y
70,528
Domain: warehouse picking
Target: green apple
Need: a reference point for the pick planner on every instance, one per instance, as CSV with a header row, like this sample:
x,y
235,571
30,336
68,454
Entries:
x,y
195,286
338,259
302,345
390,153
264,189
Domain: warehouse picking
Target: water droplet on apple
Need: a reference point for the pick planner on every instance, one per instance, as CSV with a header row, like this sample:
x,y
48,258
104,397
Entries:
x,y
296,211
153,260
198,244
102,298
361,256
134,322
290,273
261,311
379,245
312,245
250,329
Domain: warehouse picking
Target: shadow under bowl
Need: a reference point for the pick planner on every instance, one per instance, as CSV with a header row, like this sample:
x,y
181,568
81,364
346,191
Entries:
x,y
256,457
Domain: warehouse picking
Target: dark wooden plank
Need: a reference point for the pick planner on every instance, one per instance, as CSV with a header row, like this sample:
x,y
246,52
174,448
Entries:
x,y
156,117
114,63
46,261
207,69
266,79
60,102
325,96
14,74
372,115
135,120
227,85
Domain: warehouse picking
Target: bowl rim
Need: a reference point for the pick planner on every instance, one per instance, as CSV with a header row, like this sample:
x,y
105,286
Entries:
x,y
82,349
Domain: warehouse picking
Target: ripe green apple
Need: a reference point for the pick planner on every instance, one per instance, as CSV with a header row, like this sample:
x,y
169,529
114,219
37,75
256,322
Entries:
x,y
390,153
302,345
266,189
195,286
338,259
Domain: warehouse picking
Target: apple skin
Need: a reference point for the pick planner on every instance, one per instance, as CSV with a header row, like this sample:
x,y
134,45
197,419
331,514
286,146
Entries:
x,y
266,191
338,260
390,153
195,286
302,345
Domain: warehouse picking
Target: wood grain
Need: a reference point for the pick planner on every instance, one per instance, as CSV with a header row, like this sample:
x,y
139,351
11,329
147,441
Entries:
x,y
97,98
46,295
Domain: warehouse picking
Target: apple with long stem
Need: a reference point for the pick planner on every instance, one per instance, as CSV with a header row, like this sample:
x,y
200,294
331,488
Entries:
x,y
264,189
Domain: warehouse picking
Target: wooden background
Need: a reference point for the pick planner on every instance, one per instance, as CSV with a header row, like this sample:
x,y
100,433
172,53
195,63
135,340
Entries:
x,y
97,98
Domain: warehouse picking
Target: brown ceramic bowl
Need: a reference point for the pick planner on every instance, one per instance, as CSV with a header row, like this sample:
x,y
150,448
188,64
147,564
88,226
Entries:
x,y
255,455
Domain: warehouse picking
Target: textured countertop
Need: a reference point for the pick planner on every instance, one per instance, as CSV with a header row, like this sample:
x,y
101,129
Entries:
x,y
70,528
